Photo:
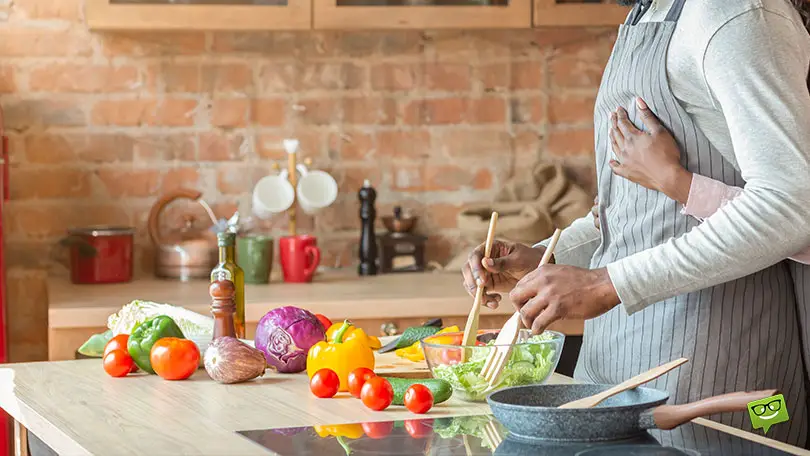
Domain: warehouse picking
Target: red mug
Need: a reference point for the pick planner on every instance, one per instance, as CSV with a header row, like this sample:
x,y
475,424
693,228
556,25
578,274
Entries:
x,y
299,256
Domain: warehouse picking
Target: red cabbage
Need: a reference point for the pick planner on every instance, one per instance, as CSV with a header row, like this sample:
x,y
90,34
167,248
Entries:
x,y
285,335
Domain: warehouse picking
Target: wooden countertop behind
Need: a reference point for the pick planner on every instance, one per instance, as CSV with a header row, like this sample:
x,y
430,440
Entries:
x,y
340,294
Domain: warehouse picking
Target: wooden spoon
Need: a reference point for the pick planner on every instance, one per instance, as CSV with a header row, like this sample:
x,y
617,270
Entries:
x,y
638,380
471,328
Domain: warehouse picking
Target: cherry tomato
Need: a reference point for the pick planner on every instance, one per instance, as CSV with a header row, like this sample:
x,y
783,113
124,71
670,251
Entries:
x,y
174,359
327,323
357,378
419,429
377,394
118,363
325,383
378,430
418,398
119,342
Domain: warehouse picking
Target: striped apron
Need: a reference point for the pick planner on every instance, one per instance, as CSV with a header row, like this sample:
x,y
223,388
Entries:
x,y
741,335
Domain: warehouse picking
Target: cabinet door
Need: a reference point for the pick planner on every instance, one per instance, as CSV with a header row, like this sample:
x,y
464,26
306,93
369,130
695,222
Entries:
x,y
421,14
198,14
578,13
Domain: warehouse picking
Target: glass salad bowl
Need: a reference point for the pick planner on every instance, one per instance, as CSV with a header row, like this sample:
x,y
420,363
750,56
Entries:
x,y
532,361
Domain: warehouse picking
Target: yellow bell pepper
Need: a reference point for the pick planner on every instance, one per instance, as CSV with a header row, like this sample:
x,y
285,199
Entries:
x,y
415,353
340,356
352,431
353,333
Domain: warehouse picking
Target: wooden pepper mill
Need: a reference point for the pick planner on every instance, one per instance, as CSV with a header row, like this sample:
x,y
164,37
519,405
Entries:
x,y
368,241
223,306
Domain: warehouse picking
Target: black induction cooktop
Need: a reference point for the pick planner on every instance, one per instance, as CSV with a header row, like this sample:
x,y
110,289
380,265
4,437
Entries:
x,y
482,435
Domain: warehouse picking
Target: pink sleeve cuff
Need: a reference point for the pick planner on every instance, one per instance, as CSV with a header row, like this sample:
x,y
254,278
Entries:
x,y
707,195
802,257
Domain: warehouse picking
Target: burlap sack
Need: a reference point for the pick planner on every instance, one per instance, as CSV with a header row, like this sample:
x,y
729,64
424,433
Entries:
x,y
529,207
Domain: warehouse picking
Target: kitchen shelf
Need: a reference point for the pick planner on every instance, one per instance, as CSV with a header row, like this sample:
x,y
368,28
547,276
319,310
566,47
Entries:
x,y
563,13
422,14
236,15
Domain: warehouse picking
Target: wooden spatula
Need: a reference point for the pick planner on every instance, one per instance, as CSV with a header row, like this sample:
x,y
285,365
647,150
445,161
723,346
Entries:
x,y
471,328
638,380
499,356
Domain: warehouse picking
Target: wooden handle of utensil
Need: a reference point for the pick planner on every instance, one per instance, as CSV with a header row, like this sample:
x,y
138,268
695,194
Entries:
x,y
543,261
671,416
471,327
638,380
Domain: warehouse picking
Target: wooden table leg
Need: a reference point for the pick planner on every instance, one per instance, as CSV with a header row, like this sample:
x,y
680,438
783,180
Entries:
x,y
20,439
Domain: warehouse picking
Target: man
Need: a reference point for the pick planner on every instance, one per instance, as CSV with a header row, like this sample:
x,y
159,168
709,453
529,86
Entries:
x,y
728,80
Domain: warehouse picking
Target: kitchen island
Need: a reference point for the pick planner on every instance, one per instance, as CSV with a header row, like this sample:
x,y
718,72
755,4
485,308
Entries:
x,y
76,409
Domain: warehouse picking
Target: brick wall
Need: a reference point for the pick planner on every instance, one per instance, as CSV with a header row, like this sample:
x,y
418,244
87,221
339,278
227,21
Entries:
x,y
101,124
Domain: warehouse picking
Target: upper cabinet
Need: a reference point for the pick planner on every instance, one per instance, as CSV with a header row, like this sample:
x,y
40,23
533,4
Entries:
x,y
249,15
421,14
578,12
198,14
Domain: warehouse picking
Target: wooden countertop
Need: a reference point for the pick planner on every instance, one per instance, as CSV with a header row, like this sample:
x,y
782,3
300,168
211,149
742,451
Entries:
x,y
339,295
76,409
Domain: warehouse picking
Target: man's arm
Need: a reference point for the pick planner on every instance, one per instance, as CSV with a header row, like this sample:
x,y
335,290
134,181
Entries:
x,y
577,243
755,68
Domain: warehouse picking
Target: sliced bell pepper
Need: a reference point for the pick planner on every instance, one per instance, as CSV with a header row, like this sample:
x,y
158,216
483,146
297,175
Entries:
x,y
144,336
340,356
415,353
353,333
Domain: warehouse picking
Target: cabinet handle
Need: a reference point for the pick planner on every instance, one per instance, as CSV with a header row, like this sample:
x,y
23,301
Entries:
x,y
389,329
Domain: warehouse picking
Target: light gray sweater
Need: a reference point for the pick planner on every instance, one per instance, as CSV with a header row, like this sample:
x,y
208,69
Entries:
x,y
739,67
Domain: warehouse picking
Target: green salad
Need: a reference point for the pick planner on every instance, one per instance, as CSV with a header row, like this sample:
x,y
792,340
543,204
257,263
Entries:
x,y
448,428
531,363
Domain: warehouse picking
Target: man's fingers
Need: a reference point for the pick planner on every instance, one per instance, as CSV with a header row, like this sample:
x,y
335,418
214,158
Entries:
x,y
492,300
548,316
625,126
469,281
647,117
497,265
474,261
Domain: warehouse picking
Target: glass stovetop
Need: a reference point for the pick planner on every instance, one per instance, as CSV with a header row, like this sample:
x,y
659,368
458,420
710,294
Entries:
x,y
482,435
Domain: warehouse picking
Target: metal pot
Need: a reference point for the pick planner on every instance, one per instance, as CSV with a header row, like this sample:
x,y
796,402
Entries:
x,y
186,254
100,254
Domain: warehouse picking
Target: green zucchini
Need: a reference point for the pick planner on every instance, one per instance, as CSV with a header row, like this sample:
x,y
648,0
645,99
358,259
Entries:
x,y
440,388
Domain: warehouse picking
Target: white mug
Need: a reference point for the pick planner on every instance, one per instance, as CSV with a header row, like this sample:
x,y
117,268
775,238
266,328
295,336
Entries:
x,y
316,190
272,195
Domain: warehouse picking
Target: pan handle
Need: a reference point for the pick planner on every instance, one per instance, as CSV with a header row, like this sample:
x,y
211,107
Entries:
x,y
668,417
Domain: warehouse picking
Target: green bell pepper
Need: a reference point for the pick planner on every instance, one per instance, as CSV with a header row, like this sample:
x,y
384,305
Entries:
x,y
144,336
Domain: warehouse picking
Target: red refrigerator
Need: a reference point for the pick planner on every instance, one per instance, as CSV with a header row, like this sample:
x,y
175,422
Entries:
x,y
4,418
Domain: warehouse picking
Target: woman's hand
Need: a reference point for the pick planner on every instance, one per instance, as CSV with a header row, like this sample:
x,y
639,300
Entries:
x,y
595,211
652,158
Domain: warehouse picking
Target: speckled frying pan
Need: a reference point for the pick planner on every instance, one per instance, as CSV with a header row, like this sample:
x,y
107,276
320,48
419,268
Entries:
x,y
530,413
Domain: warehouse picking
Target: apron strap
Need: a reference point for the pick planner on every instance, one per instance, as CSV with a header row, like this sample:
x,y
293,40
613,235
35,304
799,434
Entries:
x,y
639,9
675,11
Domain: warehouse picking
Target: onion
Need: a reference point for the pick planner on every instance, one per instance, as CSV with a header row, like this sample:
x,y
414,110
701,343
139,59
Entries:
x,y
285,335
229,360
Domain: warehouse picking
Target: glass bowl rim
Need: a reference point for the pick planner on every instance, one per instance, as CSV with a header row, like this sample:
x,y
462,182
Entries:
x,y
558,337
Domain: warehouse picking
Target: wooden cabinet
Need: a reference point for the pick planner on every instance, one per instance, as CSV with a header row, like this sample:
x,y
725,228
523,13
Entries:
x,y
578,13
421,14
198,14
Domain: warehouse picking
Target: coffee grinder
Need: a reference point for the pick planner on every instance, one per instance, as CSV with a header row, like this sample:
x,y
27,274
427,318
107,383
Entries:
x,y
402,251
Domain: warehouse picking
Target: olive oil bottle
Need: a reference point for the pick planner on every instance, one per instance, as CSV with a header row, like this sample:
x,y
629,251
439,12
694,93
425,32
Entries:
x,y
228,268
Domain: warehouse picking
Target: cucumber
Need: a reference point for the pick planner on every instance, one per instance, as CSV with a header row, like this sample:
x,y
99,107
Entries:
x,y
440,388
414,334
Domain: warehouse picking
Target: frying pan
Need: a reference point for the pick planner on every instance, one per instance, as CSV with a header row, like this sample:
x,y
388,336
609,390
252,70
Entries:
x,y
530,413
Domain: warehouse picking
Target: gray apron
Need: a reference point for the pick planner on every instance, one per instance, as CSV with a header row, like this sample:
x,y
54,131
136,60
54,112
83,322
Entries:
x,y
741,335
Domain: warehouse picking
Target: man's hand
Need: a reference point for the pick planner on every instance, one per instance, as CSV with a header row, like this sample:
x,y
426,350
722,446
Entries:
x,y
557,292
508,263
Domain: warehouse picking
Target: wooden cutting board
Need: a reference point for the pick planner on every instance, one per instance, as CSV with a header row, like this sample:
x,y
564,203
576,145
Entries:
x,y
391,365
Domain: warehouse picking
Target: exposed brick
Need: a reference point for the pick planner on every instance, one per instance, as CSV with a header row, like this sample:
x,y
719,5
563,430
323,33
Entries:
x,y
443,215
152,44
575,73
49,148
43,42
183,177
440,177
366,110
350,178
394,76
318,111
271,146
50,183
33,114
527,147
466,144
282,77
122,182
438,111
528,109
84,78
571,108
170,147
568,143
222,147
137,112
49,9
238,179
180,77
486,110
494,77
269,112
8,81
353,145
446,76
231,77
230,112
413,144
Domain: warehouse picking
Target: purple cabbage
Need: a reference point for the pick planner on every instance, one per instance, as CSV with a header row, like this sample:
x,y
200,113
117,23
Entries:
x,y
285,335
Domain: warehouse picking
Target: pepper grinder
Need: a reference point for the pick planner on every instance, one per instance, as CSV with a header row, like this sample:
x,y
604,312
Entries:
x,y
223,306
368,241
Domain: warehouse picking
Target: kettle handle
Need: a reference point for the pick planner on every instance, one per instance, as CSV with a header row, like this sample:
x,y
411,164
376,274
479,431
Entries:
x,y
157,209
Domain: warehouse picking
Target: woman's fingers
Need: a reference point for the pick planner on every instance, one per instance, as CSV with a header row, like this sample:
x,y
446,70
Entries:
x,y
614,143
617,168
625,126
647,117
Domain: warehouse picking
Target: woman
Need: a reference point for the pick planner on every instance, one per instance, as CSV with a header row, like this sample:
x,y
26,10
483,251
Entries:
x,y
652,159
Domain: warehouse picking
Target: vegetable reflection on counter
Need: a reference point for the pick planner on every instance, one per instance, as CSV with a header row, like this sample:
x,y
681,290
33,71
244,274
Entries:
x,y
448,428
339,432
531,363
339,356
